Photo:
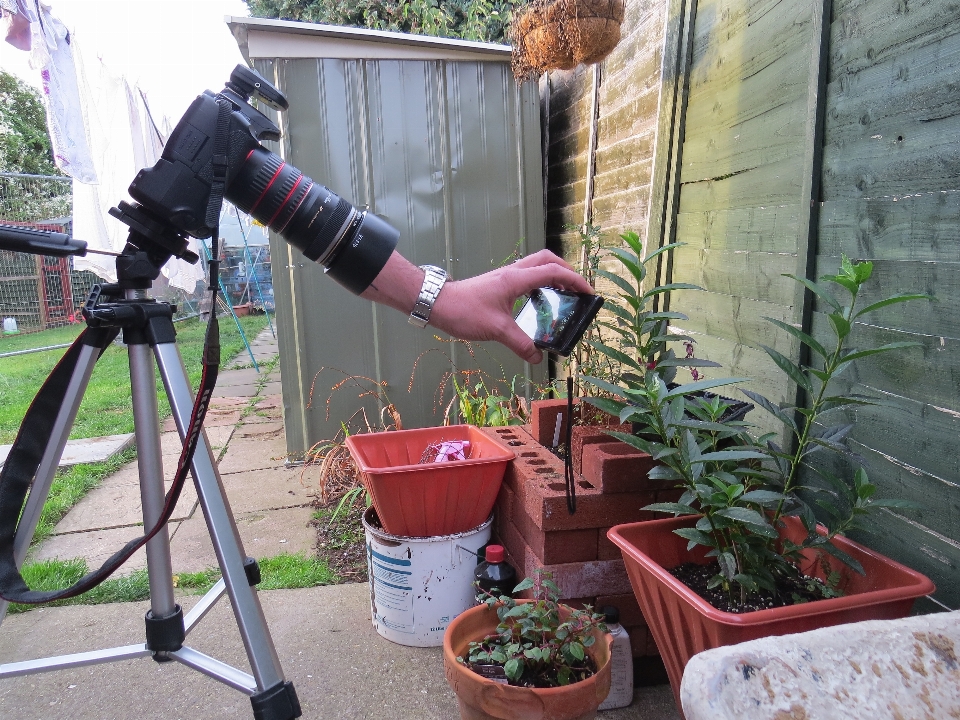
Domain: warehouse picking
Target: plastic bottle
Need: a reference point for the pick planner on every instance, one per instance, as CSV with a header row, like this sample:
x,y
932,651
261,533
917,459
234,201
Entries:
x,y
494,574
621,662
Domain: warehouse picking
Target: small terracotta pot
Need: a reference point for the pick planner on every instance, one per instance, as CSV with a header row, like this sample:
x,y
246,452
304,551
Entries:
x,y
483,699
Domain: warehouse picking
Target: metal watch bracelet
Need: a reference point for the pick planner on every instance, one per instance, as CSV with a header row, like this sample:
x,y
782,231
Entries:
x,y
433,281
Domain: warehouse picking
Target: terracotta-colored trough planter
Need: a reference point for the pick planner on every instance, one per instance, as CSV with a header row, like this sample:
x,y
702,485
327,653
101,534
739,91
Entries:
x,y
683,624
483,699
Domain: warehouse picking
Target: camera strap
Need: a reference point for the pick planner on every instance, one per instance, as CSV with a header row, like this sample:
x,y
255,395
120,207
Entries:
x,y
35,432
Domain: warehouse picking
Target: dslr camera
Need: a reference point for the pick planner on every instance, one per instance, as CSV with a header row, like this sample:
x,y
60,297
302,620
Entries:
x,y
352,245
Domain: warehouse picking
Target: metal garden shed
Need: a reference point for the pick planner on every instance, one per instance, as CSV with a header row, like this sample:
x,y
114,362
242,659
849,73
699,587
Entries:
x,y
434,136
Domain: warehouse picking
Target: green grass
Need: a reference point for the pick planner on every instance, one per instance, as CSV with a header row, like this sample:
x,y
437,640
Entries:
x,y
105,409
283,571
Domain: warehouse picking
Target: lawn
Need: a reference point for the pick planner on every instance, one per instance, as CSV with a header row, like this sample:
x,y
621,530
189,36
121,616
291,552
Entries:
x,y
106,408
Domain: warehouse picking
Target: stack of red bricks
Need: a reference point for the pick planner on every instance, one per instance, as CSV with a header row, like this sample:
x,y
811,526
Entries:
x,y
537,530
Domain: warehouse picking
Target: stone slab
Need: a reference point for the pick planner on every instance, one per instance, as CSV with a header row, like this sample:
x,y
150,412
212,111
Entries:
x,y
267,489
86,450
246,376
263,534
862,671
254,454
218,437
116,503
341,668
236,391
95,547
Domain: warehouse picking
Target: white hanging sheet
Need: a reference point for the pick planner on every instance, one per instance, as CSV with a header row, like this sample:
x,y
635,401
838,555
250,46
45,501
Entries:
x,y
123,140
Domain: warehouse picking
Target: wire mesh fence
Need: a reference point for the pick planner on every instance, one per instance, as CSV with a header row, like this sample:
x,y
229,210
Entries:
x,y
41,292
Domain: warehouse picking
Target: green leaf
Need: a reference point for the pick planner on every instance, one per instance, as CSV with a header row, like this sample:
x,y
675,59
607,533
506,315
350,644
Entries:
x,y
763,497
669,287
513,668
701,385
905,297
792,370
801,336
840,325
844,558
617,280
754,520
670,507
728,565
818,290
576,649
774,410
697,536
659,251
617,355
630,262
524,585
724,455
882,349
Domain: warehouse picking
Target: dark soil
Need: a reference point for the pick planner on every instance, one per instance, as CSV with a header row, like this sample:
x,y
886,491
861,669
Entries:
x,y
790,591
540,679
340,542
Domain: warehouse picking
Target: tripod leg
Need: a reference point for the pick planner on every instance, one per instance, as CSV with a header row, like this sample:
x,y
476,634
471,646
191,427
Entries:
x,y
40,489
147,427
261,653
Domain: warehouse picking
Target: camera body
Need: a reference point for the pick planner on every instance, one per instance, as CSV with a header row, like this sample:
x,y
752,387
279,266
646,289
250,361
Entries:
x,y
353,246
556,319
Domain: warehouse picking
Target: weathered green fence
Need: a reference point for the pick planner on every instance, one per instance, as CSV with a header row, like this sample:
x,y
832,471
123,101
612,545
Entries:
x,y
787,133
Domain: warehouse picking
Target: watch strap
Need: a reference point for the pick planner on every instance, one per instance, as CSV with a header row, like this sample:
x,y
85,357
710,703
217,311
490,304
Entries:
x,y
433,280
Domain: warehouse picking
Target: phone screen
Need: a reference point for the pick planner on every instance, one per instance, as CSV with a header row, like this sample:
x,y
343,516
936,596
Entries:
x,y
555,320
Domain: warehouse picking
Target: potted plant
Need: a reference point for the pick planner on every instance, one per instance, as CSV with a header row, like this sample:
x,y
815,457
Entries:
x,y
531,659
747,509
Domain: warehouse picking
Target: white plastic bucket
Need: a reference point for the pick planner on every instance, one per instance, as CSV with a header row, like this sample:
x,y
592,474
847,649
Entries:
x,y
10,326
418,585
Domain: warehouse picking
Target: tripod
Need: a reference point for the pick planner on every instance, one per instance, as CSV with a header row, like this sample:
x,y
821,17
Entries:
x,y
147,328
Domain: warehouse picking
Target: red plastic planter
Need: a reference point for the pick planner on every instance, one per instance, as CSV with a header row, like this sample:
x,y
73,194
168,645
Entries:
x,y
683,624
425,500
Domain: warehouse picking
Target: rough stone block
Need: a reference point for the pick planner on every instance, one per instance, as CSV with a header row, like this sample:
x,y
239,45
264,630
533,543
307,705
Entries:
x,y
874,669
586,435
616,467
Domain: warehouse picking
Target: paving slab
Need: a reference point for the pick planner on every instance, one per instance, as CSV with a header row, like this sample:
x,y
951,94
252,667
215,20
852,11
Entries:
x,y
266,489
218,436
86,450
236,391
116,503
95,547
257,454
246,376
340,667
263,535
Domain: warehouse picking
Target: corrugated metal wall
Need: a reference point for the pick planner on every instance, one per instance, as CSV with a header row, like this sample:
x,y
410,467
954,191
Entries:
x,y
448,153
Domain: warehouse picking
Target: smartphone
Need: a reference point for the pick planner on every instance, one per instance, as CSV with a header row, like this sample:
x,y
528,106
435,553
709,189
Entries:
x,y
556,320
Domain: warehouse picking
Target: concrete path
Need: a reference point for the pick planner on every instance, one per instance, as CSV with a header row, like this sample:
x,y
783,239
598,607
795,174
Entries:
x,y
327,645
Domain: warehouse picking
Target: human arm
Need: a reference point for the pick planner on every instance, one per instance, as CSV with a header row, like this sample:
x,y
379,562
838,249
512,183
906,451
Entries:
x,y
481,307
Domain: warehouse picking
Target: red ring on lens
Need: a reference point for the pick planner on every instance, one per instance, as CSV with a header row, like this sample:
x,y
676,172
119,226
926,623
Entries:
x,y
266,189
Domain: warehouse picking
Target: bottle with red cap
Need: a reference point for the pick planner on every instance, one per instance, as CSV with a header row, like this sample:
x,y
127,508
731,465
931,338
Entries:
x,y
494,574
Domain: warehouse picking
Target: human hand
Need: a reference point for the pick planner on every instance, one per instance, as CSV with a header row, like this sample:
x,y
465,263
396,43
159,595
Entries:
x,y
481,307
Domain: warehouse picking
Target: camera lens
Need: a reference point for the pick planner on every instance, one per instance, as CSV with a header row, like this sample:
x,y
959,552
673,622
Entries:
x,y
308,215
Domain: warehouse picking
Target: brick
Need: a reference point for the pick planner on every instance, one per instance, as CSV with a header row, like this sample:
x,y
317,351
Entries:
x,y
543,420
585,435
606,550
639,639
628,606
575,580
616,467
536,479
558,546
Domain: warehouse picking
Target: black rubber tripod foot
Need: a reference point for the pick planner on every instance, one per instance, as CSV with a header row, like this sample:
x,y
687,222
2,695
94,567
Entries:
x,y
279,702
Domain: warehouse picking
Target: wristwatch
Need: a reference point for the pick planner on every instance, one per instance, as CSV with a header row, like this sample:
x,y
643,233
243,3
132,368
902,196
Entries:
x,y
432,282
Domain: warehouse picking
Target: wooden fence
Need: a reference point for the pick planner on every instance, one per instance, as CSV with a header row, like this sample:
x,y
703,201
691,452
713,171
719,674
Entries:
x,y
772,136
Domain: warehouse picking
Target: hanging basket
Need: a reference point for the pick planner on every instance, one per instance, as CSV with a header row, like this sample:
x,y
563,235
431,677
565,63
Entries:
x,y
561,34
